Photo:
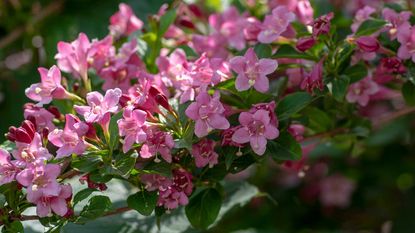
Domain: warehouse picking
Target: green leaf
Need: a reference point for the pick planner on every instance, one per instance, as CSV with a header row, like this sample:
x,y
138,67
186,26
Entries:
x,y
263,50
287,51
166,20
8,145
97,207
203,208
356,72
144,202
122,166
318,120
408,92
2,200
241,163
370,26
14,227
292,104
114,134
87,162
82,195
162,168
284,148
340,86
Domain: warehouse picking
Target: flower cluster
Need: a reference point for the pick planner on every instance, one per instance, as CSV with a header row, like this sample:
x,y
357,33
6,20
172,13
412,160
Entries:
x,y
231,95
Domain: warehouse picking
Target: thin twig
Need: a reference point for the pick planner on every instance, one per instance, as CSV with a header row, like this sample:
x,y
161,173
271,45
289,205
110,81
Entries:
x,y
390,117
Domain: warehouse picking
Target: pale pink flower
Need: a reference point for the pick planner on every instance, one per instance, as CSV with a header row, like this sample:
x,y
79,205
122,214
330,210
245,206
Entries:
x,y
40,179
257,128
100,107
361,16
124,22
31,152
396,20
304,11
361,91
270,108
49,88
275,24
406,36
45,204
171,198
153,182
42,117
336,190
131,128
230,24
252,71
157,142
8,168
100,52
70,139
252,28
204,153
73,57
314,79
207,111
213,45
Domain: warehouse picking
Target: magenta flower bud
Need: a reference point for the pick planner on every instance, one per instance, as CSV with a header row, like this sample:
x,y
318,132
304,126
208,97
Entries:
x,y
322,24
24,134
196,10
305,43
368,44
186,23
55,111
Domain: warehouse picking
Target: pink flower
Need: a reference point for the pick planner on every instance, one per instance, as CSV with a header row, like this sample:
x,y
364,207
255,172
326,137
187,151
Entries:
x,y
257,128
336,190
304,11
227,137
124,22
157,142
73,57
321,25
131,127
252,28
361,91
406,36
396,20
171,198
252,71
100,52
8,169
305,43
207,111
45,204
297,131
40,179
42,117
182,179
314,79
49,88
368,44
155,182
213,45
204,153
275,24
230,25
31,152
69,140
270,108
361,16
99,107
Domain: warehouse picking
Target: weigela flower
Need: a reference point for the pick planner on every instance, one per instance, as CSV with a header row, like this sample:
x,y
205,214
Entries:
x,y
406,36
69,140
227,137
40,179
270,108
73,57
396,20
314,79
100,52
297,131
49,88
230,25
100,107
252,28
361,91
213,45
361,16
204,153
252,71
368,44
257,128
40,116
8,168
305,43
321,25
23,134
304,11
124,22
207,111
131,128
45,204
182,179
31,152
275,24
155,182
171,198
157,142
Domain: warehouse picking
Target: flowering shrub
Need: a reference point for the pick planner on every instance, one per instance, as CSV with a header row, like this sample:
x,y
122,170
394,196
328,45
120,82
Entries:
x,y
172,106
